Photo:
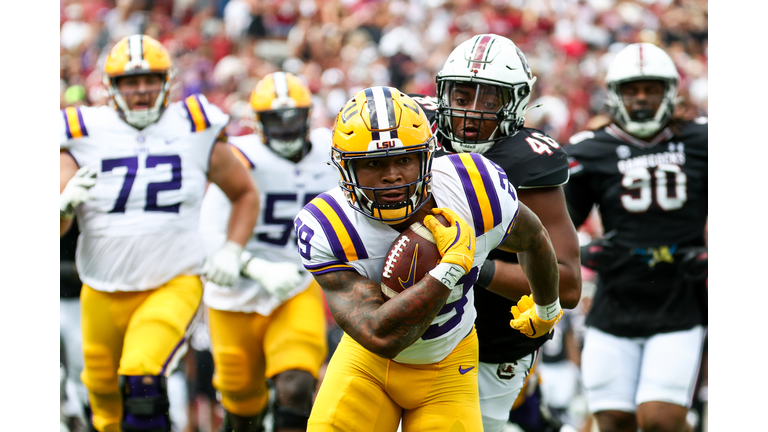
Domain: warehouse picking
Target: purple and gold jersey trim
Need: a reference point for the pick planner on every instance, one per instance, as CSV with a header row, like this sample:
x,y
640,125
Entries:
x,y
329,267
73,121
242,157
511,225
177,351
196,114
479,189
345,242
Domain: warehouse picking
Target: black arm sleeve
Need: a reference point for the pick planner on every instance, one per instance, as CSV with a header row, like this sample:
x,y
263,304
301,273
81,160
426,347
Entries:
x,y
579,199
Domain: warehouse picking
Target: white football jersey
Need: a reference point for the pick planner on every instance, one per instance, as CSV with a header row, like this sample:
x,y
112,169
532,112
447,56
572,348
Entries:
x,y
141,228
334,237
284,188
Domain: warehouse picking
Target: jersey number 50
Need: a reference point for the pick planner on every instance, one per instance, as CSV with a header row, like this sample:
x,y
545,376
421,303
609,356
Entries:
x,y
669,181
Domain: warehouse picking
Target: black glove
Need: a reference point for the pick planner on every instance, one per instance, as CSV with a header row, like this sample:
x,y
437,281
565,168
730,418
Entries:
x,y
693,263
600,254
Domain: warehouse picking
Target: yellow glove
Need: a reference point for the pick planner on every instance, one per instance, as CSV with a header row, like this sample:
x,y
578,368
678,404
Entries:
x,y
528,322
455,243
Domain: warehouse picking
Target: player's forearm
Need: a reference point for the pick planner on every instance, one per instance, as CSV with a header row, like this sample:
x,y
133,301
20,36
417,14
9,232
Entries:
x,y
509,281
242,219
403,319
385,329
539,263
64,226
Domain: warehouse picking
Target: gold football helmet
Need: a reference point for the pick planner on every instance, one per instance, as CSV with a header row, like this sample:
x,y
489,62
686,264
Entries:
x,y
282,105
137,55
381,122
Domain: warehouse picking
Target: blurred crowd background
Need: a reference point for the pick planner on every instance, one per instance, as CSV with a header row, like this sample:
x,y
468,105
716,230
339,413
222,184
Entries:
x,y
223,47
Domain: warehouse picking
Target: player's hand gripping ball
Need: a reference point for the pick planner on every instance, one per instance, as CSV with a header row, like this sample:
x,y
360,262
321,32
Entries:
x,y
455,241
412,255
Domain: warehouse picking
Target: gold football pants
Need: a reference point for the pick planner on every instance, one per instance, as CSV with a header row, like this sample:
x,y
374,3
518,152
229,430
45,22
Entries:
x,y
248,348
133,333
364,392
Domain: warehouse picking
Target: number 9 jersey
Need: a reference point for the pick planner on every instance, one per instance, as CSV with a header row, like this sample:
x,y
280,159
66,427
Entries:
x,y
141,228
335,237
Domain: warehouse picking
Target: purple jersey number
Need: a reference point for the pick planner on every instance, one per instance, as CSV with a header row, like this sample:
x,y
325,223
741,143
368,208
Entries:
x,y
271,219
132,164
304,235
173,184
437,330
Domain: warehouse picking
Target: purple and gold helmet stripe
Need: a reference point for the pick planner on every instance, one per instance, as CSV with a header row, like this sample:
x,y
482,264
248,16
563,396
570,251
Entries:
x,y
328,267
381,112
242,157
196,114
346,243
73,120
135,49
478,187
281,85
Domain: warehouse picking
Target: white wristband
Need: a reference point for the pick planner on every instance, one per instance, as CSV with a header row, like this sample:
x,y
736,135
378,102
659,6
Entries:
x,y
447,273
234,247
548,312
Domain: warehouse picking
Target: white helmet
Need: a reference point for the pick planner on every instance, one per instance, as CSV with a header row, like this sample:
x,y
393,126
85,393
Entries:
x,y
495,64
642,61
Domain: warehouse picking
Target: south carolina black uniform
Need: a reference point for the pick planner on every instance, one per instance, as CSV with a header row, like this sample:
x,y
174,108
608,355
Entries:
x,y
531,159
652,198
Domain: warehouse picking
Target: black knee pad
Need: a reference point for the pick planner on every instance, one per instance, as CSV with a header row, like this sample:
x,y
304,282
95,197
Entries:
x,y
235,423
88,418
287,417
145,404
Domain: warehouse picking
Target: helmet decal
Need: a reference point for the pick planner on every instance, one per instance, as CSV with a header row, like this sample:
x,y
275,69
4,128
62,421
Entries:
x,y
480,52
135,54
524,61
381,111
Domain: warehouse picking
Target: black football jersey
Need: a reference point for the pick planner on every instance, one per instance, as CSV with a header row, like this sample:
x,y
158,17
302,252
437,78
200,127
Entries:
x,y
530,159
652,198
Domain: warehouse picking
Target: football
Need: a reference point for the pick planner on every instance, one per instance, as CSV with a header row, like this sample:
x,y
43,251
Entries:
x,y
412,255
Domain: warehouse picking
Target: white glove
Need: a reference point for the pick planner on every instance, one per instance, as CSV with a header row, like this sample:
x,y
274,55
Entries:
x,y
278,278
223,268
77,191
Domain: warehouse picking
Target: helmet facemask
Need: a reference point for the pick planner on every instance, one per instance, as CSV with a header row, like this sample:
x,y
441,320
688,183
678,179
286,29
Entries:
x,y
473,108
642,123
391,214
285,130
486,65
642,62
144,117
